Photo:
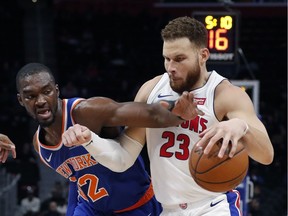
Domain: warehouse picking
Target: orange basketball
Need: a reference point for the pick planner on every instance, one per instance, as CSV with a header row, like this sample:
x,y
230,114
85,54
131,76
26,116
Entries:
x,y
218,174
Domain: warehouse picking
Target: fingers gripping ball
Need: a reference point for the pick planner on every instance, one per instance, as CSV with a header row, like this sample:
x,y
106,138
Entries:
x,y
218,174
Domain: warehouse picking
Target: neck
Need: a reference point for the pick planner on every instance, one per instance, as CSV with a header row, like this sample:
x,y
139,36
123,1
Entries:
x,y
53,132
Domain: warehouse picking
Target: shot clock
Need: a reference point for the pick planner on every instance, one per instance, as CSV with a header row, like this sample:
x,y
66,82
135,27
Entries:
x,y
222,30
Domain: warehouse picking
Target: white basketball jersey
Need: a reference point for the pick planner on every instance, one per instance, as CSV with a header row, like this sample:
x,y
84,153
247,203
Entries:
x,y
169,148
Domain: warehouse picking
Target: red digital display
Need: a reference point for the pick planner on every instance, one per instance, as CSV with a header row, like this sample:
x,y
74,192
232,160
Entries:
x,y
222,35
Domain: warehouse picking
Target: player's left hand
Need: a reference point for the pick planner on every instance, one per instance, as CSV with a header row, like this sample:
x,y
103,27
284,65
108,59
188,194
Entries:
x,y
185,106
76,135
6,146
229,132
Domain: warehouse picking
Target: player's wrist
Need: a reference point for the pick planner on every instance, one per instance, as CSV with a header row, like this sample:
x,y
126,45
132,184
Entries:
x,y
171,104
90,142
171,107
246,127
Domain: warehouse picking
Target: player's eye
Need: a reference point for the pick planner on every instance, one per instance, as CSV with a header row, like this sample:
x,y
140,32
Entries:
x,y
47,92
179,59
29,97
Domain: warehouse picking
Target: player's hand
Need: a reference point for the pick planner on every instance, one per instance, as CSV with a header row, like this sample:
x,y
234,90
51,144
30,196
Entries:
x,y
186,107
76,135
6,146
229,132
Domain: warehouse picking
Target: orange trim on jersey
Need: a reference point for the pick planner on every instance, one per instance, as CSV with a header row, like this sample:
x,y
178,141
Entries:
x,y
54,147
146,197
64,117
75,103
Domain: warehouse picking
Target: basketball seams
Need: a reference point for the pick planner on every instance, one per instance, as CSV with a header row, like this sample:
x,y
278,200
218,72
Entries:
x,y
228,180
218,164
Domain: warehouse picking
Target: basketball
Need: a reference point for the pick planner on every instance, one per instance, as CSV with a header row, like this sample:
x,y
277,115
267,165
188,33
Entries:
x,y
218,174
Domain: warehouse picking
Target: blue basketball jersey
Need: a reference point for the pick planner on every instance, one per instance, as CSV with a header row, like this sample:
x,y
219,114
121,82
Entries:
x,y
94,189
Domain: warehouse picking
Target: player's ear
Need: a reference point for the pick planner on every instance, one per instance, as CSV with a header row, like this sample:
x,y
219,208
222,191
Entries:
x,y
57,90
204,55
20,99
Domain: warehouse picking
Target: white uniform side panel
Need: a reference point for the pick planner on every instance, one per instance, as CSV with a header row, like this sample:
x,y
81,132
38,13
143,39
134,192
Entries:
x,y
169,148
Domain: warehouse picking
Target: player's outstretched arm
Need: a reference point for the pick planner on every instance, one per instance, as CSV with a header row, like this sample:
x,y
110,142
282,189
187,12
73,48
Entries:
x,y
117,155
6,146
107,112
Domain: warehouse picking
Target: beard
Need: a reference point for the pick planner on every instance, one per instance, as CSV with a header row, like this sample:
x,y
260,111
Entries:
x,y
187,84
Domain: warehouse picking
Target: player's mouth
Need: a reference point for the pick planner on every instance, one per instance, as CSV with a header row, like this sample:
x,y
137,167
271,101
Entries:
x,y
43,113
174,78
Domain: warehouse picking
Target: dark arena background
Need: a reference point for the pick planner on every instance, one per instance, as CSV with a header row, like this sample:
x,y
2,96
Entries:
x,y
111,47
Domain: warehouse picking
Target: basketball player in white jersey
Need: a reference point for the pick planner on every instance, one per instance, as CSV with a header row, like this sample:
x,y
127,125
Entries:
x,y
228,115
6,146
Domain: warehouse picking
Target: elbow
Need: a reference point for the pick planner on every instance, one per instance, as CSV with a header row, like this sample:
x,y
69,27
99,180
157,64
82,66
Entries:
x,y
120,167
265,158
269,158
120,164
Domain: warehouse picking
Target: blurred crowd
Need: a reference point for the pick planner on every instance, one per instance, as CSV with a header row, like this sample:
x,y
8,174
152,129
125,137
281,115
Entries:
x,y
112,54
54,205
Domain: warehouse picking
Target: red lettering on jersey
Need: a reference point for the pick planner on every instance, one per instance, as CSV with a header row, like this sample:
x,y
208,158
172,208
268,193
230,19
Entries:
x,y
197,124
185,124
200,101
194,124
203,124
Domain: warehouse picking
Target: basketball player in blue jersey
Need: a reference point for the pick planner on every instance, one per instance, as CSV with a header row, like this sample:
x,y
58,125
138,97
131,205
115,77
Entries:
x,y
94,189
6,146
229,116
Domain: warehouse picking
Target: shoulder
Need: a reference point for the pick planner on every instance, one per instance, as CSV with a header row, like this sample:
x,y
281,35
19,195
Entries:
x,y
146,88
95,112
231,98
227,90
93,103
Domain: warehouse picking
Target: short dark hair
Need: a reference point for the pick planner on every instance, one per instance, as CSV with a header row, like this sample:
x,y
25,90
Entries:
x,y
30,69
187,27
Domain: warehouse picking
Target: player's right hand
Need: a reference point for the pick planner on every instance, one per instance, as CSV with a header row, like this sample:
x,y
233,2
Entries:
x,y
76,135
6,146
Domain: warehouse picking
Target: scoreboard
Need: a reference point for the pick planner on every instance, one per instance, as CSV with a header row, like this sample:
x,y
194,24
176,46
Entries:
x,y
222,30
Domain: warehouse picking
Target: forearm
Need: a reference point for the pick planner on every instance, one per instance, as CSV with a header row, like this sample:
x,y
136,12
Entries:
x,y
258,146
164,117
117,155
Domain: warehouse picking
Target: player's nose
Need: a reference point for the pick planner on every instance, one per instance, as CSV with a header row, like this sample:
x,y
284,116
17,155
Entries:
x,y
40,100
